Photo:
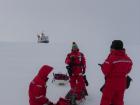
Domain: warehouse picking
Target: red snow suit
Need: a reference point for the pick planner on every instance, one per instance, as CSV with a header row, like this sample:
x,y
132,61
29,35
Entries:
x,y
115,68
77,62
37,88
78,86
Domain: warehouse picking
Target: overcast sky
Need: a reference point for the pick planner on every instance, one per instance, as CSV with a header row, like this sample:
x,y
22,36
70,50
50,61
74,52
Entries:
x,y
66,20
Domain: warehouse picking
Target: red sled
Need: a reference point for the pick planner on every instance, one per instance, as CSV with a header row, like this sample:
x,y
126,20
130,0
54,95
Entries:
x,y
60,78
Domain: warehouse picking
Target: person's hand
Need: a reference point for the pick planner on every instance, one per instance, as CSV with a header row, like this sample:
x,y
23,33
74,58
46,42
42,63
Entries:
x,y
68,67
99,64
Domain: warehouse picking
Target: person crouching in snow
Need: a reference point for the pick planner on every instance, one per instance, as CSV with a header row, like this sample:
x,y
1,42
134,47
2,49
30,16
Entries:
x,y
115,68
76,68
37,87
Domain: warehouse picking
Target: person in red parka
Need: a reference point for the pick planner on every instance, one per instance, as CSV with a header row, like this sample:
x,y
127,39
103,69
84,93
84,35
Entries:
x,y
76,68
37,87
76,60
115,69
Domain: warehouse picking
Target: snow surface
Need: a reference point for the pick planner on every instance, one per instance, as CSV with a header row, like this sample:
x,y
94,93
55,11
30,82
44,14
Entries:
x,y
20,62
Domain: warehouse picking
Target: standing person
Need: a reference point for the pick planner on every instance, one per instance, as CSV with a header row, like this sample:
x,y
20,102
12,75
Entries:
x,y
115,69
76,68
37,87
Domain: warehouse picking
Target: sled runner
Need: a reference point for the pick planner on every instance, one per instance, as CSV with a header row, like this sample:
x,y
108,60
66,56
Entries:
x,y
60,78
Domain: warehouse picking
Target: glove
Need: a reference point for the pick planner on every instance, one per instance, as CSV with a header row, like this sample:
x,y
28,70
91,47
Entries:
x,y
68,67
69,70
99,64
128,80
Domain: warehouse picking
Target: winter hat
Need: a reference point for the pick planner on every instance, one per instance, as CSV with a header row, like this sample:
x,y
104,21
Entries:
x,y
117,45
74,46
